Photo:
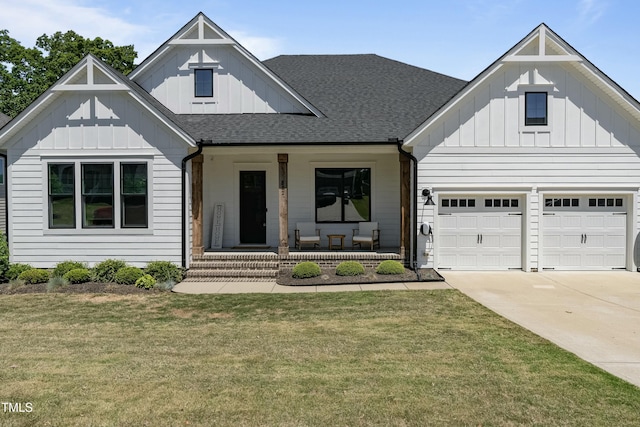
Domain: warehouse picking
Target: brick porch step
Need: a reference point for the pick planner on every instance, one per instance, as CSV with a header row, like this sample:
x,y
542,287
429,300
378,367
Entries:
x,y
233,267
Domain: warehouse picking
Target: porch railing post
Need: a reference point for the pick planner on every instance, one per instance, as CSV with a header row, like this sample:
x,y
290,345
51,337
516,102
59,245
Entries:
x,y
196,204
283,204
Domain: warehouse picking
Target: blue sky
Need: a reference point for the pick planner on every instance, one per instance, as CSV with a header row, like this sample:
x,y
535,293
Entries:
x,y
455,37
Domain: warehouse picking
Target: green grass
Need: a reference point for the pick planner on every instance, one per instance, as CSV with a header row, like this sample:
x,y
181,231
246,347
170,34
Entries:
x,y
352,359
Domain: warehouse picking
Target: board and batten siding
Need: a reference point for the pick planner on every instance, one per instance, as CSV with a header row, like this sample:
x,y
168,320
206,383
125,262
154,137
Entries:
x,y
239,86
221,185
482,147
86,127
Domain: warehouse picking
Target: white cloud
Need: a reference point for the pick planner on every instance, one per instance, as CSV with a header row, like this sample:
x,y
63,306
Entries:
x,y
589,11
262,47
27,20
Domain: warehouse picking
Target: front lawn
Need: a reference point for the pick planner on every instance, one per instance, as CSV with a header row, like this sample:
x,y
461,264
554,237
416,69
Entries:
x,y
323,359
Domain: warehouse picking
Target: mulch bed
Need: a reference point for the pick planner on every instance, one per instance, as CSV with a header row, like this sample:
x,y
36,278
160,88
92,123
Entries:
x,y
329,277
81,288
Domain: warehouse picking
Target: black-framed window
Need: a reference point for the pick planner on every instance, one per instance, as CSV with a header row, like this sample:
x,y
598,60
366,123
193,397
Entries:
x,y
343,194
97,195
62,201
133,195
535,107
203,78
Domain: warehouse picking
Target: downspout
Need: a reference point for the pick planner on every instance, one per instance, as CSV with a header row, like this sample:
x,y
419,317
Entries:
x,y
6,197
414,197
184,199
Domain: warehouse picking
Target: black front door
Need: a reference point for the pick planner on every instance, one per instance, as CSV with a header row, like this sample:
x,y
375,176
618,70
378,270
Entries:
x,y
253,207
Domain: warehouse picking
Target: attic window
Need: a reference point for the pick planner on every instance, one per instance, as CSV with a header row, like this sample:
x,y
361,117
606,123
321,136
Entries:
x,y
535,105
203,78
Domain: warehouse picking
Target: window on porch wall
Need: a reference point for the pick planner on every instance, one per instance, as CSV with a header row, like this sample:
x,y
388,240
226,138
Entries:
x,y
343,194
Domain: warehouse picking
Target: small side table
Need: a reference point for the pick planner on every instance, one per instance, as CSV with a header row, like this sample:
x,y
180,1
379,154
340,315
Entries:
x,y
333,246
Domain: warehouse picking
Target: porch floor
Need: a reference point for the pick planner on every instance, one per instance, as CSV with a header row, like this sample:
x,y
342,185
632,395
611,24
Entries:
x,y
271,249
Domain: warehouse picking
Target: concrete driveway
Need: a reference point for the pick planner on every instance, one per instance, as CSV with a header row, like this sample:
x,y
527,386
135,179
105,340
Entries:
x,y
595,315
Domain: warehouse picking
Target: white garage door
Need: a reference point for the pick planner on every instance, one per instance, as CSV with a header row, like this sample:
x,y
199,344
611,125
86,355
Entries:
x,y
584,233
480,233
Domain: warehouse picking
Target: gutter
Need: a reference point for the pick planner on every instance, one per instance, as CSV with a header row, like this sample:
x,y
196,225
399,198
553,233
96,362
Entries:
x,y
200,145
414,197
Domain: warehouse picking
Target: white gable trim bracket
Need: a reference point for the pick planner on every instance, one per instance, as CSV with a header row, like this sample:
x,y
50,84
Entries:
x,y
90,77
556,53
201,31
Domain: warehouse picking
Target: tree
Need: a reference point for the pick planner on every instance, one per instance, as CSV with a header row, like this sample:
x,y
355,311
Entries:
x,y
25,73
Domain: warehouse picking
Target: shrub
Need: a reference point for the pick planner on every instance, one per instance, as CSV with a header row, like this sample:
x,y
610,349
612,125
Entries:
x,y
34,276
55,283
15,270
77,275
349,268
390,267
164,271
129,275
146,281
306,269
106,270
4,254
64,267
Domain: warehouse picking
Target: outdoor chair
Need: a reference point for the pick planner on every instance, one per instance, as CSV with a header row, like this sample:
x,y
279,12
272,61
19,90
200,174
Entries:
x,y
367,233
306,233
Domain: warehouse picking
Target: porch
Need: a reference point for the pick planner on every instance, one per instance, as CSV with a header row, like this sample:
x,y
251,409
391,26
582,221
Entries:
x,y
246,204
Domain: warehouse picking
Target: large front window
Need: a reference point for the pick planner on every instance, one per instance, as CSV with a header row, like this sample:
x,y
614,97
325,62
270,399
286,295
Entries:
x,y
343,194
106,195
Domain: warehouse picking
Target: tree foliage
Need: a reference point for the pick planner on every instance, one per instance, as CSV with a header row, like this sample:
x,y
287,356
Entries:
x,y
25,73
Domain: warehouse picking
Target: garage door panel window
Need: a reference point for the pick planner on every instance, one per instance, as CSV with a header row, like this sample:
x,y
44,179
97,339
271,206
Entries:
x,y
501,203
458,203
606,202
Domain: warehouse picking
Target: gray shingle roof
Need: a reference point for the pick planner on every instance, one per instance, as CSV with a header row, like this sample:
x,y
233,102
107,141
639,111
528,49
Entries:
x,y
365,98
4,119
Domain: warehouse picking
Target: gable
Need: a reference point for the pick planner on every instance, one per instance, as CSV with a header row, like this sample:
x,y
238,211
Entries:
x,y
241,83
585,107
91,97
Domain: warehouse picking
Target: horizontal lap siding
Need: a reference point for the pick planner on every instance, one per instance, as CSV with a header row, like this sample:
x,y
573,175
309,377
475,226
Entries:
x,y
446,167
54,139
32,244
